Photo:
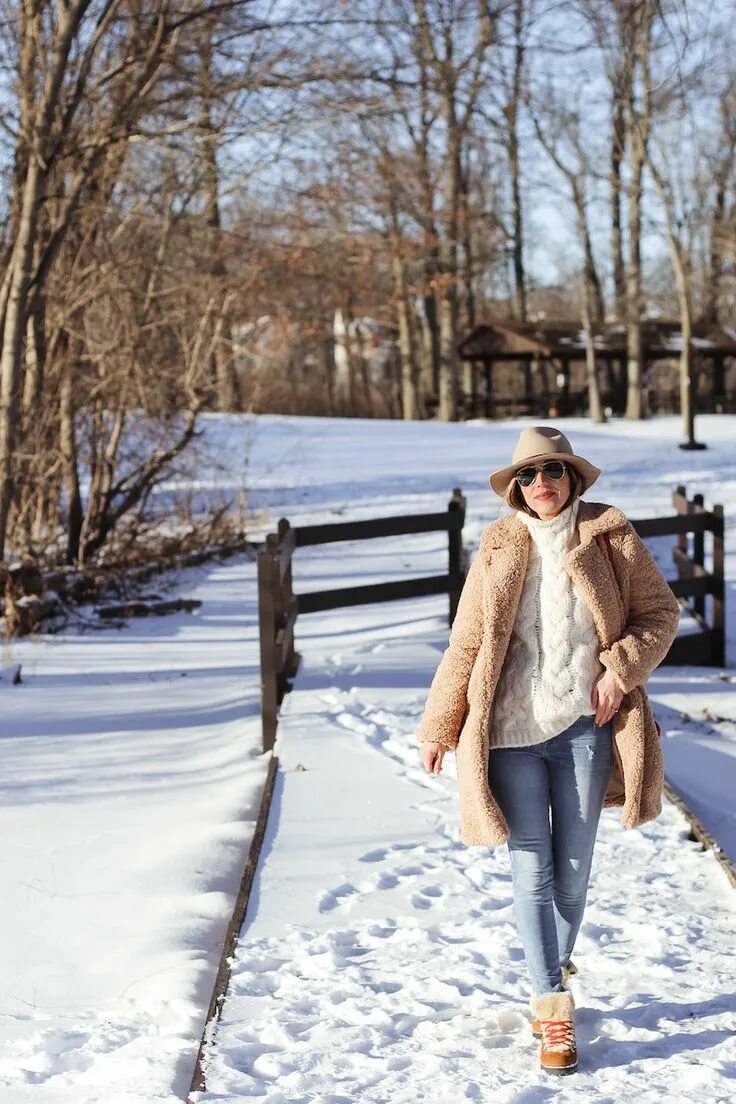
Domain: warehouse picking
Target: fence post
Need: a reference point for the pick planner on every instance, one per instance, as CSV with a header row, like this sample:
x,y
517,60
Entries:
x,y
718,632
699,554
455,543
273,542
681,537
267,579
287,598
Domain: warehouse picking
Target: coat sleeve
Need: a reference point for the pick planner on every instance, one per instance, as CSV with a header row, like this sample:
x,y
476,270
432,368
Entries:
x,y
654,614
446,704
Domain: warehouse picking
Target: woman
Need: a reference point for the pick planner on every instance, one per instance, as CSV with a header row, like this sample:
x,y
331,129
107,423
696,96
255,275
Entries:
x,y
562,618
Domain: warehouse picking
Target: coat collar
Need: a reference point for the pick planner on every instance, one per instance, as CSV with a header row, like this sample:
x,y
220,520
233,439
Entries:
x,y
593,518
504,548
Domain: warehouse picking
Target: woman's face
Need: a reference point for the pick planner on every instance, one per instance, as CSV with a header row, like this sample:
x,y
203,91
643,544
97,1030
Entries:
x,y
547,496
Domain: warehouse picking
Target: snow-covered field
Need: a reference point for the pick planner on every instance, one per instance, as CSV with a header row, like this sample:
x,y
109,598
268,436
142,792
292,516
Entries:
x,y
378,960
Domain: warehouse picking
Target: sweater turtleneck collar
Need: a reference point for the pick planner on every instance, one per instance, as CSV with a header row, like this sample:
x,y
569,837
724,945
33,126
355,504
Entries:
x,y
549,527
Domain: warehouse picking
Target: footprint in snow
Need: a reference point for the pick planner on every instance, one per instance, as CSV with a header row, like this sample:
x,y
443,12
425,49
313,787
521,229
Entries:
x,y
383,931
378,855
298,1029
599,932
335,897
356,724
492,904
432,891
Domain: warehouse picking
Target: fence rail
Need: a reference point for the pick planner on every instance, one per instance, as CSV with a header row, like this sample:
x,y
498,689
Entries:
x,y
279,607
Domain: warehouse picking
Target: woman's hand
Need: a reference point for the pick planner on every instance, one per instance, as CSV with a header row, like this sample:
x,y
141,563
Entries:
x,y
432,756
606,697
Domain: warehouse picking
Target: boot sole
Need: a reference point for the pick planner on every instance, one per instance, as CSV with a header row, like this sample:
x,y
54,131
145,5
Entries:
x,y
560,1070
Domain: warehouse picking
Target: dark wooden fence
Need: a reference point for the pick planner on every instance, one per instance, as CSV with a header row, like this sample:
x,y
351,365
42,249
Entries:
x,y
694,580
278,606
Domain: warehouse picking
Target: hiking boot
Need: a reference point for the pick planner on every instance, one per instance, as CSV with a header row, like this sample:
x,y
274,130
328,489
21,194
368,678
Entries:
x,y
555,1013
571,968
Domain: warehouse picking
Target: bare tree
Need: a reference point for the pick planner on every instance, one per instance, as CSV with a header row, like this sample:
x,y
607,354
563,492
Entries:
x,y
722,239
636,22
223,366
71,67
507,127
439,30
559,126
623,31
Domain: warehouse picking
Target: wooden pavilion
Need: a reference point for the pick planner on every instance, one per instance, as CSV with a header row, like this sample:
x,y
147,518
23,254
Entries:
x,y
538,368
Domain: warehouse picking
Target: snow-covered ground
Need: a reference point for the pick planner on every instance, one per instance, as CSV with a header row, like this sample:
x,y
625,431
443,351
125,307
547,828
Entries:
x,y
130,774
378,960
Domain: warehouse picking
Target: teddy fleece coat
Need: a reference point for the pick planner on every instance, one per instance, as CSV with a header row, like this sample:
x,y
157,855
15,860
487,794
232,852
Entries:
x,y
636,617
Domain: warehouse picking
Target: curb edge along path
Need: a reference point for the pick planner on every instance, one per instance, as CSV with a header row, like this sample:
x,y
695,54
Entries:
x,y
222,979
220,990
700,834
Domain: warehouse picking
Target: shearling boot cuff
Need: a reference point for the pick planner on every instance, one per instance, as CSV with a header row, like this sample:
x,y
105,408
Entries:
x,y
553,1006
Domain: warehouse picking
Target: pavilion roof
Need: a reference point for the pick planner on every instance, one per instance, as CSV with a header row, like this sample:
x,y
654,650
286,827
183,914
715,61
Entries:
x,y
509,340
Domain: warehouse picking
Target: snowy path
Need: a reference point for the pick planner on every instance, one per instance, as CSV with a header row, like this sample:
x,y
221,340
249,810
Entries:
x,y
378,961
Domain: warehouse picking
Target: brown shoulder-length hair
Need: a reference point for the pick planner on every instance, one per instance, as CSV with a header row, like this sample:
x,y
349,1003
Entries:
x,y
515,499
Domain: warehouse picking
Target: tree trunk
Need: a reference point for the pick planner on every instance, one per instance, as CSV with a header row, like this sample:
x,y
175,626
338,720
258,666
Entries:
x,y
328,364
634,337
591,365
637,124
430,345
520,308
407,370
591,282
447,410
429,373
344,391
618,138
362,368
467,307
714,275
592,308
35,354
68,447
681,269
13,328
96,523
222,360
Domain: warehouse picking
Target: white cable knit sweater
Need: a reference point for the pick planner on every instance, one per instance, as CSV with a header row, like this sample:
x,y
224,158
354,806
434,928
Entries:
x,y
552,662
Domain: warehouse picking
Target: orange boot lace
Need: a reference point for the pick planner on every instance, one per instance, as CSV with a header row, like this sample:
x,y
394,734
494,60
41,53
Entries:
x,y
558,1035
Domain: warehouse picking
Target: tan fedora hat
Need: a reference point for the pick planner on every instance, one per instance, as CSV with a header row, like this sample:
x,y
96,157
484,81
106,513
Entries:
x,y
542,443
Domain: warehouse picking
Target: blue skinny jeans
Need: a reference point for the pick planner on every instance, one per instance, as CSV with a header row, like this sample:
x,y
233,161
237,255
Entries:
x,y
551,795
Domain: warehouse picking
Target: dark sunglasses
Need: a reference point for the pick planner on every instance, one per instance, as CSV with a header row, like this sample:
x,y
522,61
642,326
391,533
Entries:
x,y
553,469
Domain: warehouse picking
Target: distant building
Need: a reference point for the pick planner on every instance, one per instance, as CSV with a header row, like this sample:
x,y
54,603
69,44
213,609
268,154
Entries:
x,y
538,368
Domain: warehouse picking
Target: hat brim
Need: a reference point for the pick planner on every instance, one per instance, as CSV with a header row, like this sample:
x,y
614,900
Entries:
x,y
500,480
